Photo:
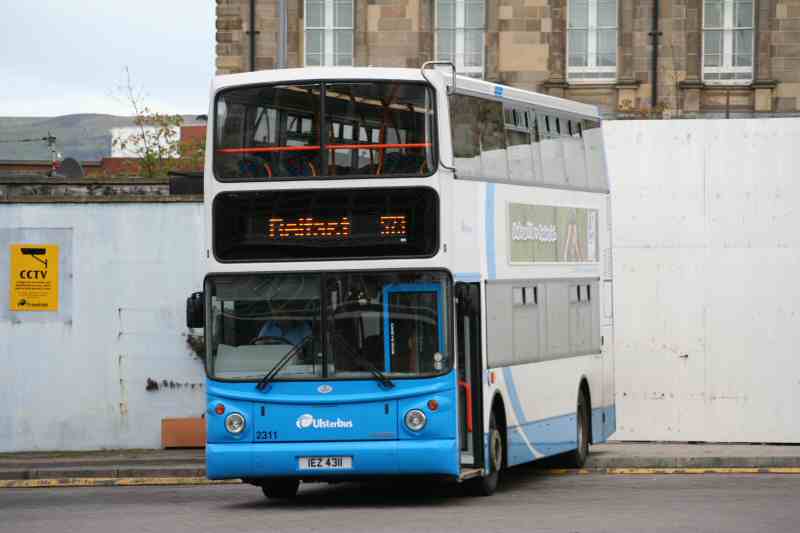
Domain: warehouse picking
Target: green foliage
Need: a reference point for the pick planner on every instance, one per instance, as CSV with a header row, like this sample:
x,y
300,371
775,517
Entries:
x,y
156,143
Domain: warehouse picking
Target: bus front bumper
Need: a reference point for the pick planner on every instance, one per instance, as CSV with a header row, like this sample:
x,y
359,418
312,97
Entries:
x,y
369,458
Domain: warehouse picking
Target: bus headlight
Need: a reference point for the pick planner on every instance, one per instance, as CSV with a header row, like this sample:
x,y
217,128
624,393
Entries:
x,y
234,423
415,420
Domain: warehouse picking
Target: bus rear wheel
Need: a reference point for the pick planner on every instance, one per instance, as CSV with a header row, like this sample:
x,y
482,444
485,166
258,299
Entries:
x,y
577,458
486,485
280,489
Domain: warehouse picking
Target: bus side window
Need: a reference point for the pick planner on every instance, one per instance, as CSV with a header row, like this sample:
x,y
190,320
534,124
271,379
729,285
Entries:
x,y
465,132
520,160
595,156
552,152
534,126
479,138
536,138
574,157
494,164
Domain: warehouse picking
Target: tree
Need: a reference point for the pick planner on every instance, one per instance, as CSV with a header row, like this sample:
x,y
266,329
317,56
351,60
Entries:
x,y
156,142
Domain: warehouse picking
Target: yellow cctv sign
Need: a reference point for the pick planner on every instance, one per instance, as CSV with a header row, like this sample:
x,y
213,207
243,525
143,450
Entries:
x,y
34,277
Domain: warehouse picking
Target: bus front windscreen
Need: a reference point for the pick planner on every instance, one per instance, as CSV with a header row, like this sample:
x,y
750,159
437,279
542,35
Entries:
x,y
331,129
336,325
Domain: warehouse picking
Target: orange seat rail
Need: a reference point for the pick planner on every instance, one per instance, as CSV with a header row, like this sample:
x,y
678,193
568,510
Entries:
x,y
272,149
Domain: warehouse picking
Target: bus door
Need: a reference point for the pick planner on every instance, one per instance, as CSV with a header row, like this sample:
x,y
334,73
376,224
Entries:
x,y
412,323
468,350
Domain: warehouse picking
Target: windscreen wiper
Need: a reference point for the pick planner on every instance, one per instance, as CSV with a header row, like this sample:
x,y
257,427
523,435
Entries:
x,y
269,376
353,355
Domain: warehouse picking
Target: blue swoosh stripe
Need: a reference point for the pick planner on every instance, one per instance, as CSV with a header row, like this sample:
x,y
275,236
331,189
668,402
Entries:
x,y
490,259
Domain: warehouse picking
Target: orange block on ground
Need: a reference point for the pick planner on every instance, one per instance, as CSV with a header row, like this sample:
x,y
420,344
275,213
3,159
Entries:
x,y
183,432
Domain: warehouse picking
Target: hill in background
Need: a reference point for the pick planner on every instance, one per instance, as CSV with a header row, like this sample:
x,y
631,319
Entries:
x,y
86,137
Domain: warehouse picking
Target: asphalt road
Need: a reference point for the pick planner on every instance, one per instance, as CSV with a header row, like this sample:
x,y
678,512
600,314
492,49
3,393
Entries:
x,y
526,502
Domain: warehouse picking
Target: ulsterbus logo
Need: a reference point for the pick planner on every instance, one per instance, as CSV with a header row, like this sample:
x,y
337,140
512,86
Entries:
x,y
307,421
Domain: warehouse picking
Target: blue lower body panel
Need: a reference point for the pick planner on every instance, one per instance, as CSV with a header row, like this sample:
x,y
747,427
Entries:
x,y
542,438
370,458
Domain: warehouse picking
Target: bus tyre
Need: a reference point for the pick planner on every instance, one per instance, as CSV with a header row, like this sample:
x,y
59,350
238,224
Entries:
x,y
578,457
486,485
280,489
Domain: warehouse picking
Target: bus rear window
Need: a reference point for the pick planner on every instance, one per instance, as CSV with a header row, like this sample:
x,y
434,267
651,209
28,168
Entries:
x,y
325,224
324,131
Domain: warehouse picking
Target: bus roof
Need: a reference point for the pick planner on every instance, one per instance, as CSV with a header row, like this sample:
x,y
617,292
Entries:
x,y
474,86
464,84
317,73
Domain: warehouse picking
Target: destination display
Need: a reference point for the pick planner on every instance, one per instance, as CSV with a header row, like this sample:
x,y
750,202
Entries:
x,y
325,224
385,226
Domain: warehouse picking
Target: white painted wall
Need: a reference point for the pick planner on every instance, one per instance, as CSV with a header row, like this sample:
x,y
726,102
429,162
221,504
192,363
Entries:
x,y
706,256
77,380
707,268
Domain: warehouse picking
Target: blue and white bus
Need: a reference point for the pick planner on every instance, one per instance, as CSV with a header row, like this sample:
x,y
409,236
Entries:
x,y
408,273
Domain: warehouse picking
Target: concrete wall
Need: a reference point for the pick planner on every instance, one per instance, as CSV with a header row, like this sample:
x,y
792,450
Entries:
x,y
706,265
76,379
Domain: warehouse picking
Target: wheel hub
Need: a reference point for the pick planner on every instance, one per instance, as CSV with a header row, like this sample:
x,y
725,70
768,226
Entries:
x,y
497,450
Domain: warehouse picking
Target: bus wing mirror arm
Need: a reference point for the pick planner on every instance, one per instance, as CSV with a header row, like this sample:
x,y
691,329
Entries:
x,y
450,90
452,87
195,310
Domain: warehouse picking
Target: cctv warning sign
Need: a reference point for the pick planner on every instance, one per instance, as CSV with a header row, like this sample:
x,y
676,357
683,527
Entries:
x,y
34,277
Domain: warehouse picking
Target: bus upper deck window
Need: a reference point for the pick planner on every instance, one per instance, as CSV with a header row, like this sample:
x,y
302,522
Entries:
x,y
370,128
400,115
266,132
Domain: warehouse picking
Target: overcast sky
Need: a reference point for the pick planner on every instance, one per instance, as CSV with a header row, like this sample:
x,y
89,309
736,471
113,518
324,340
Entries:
x,y
59,57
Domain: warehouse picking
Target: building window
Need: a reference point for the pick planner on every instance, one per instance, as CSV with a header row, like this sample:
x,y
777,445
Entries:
x,y
328,33
592,40
460,30
728,41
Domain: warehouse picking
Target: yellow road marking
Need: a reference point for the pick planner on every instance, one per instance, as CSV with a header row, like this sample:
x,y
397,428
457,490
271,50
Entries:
x,y
783,470
109,482
566,471
689,470
686,470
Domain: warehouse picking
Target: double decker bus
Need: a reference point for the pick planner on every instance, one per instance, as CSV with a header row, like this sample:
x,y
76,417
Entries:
x,y
408,273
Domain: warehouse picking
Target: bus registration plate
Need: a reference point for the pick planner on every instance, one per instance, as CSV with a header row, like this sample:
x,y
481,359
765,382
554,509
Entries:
x,y
326,463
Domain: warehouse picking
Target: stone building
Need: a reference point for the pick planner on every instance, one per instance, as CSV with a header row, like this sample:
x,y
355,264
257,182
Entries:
x,y
737,57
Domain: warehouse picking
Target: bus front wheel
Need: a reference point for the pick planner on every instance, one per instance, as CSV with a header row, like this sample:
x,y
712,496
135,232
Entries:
x,y
280,489
486,485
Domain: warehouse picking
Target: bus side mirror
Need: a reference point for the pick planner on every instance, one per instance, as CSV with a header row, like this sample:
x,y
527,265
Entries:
x,y
195,310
